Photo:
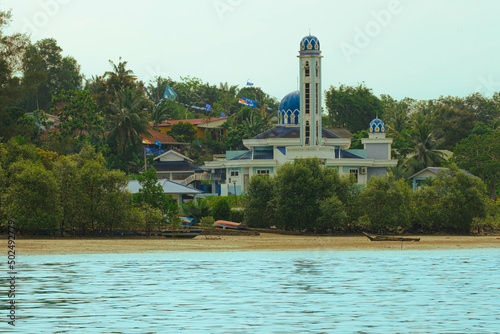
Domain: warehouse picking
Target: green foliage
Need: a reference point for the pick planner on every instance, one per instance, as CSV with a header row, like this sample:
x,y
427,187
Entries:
x,y
259,208
80,121
207,222
333,216
182,131
356,139
299,189
47,73
221,209
237,216
352,107
195,209
450,202
32,197
480,155
387,203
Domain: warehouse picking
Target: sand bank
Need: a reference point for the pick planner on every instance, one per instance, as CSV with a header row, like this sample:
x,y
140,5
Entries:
x,y
245,243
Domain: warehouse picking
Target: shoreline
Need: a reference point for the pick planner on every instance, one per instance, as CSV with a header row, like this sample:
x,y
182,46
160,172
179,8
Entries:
x,y
266,241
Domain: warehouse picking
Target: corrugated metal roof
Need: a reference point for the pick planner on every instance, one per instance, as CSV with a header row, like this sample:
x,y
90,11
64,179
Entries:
x,y
169,187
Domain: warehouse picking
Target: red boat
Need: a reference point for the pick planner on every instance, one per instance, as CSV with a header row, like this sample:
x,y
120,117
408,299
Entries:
x,y
228,224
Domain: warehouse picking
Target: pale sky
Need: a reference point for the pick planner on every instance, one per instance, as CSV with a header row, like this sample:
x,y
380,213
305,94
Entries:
x,y
407,48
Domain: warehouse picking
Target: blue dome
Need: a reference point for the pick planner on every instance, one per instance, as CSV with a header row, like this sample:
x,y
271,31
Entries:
x,y
309,44
377,126
289,109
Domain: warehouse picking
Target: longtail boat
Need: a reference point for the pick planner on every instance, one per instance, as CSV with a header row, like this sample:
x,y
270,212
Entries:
x,y
388,238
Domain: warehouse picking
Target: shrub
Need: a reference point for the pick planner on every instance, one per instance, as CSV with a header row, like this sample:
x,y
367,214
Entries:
x,y
221,209
333,215
387,203
237,216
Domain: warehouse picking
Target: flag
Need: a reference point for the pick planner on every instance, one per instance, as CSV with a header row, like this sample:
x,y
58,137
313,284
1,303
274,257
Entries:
x,y
247,102
222,114
145,141
157,143
208,107
198,143
169,93
249,83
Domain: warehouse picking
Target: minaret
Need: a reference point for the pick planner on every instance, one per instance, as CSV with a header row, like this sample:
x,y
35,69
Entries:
x,y
310,91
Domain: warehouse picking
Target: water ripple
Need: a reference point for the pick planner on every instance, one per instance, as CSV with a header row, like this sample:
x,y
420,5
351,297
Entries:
x,y
261,292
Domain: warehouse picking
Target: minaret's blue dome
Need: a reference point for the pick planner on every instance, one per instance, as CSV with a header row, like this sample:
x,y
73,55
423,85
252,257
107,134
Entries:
x,y
289,109
309,44
377,126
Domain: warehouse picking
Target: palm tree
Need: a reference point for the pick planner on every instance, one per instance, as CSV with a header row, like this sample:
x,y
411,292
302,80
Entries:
x,y
425,151
120,77
130,121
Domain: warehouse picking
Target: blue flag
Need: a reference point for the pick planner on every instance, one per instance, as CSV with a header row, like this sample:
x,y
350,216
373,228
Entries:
x,y
247,102
249,83
157,143
169,93
208,107
222,114
198,143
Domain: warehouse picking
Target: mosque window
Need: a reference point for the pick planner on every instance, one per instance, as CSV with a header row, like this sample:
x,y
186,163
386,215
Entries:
x,y
263,171
355,172
308,132
306,71
235,173
317,99
307,98
317,70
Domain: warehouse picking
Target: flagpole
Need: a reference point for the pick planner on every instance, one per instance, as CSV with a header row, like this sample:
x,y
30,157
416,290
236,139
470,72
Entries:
x,y
145,165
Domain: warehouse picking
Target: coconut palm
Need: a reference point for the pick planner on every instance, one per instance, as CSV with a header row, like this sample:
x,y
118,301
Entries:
x,y
425,146
130,121
120,77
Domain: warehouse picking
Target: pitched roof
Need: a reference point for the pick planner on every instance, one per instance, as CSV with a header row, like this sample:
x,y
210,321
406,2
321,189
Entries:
x,y
155,135
169,187
175,166
436,170
194,121
289,132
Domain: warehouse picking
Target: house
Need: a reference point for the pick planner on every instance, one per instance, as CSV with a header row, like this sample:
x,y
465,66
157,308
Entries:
x,y
299,134
179,192
175,166
419,178
201,125
153,138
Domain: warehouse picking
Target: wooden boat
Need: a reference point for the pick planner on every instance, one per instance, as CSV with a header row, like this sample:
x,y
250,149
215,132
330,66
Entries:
x,y
388,238
228,224
181,233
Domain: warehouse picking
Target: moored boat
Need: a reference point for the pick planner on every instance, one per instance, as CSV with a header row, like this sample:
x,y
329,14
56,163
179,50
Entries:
x,y
231,225
388,238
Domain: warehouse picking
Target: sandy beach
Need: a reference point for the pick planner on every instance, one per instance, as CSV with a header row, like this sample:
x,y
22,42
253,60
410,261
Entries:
x,y
245,243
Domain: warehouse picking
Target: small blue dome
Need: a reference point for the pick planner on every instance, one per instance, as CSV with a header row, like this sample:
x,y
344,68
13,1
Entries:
x,y
309,44
377,126
289,109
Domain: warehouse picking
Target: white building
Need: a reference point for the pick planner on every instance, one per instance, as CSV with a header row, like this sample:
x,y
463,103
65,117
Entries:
x,y
299,134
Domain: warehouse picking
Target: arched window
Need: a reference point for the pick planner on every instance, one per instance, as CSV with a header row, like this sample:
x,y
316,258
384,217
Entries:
x,y
306,72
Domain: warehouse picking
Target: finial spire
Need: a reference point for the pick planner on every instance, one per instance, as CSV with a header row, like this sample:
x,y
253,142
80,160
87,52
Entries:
x,y
309,31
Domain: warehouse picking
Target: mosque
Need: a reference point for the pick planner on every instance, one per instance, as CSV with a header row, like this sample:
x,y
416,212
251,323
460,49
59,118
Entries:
x,y
299,134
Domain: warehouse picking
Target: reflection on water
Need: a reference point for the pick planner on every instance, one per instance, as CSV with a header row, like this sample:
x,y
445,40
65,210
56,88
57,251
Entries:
x,y
261,292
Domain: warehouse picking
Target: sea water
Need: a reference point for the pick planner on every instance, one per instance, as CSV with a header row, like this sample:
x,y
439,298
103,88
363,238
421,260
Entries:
x,y
442,291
